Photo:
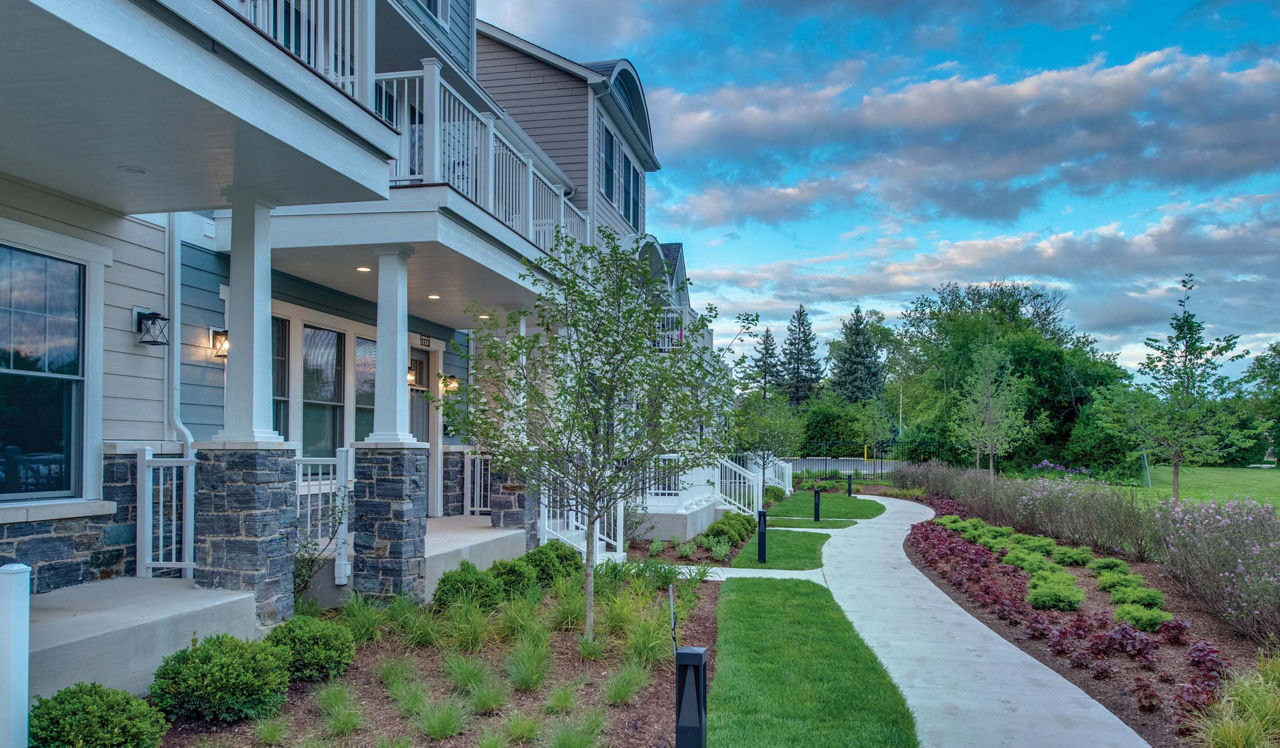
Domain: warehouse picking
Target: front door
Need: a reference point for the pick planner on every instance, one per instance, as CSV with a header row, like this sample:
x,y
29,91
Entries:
x,y
419,404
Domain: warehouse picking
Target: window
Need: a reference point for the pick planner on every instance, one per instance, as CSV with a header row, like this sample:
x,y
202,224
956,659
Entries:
x,y
322,391
439,9
634,202
610,191
366,374
41,374
626,189
280,376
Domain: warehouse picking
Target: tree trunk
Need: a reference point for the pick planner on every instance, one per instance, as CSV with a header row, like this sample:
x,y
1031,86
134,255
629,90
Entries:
x,y
991,465
588,622
1176,464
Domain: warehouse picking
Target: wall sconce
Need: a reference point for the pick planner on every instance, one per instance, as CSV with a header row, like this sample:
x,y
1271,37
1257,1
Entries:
x,y
152,327
450,383
412,376
219,341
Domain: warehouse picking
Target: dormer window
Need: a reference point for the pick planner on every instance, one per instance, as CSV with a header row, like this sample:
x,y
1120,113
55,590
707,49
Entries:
x,y
439,9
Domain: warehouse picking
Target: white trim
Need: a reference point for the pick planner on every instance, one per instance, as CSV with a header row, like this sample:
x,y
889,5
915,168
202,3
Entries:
x,y
93,258
539,53
50,509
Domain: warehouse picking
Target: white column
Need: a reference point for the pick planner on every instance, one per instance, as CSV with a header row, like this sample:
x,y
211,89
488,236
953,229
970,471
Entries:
x,y
432,171
391,386
15,652
247,407
435,431
366,24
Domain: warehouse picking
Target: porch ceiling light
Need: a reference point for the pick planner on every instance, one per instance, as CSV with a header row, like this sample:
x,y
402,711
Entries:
x,y
432,296
152,327
363,269
219,341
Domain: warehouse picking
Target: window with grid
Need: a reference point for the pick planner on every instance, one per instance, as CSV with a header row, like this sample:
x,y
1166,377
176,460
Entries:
x,y
280,376
366,374
322,391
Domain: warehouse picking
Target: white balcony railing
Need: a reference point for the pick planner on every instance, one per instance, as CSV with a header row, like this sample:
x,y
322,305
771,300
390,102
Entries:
x,y
330,36
166,493
324,485
670,330
443,139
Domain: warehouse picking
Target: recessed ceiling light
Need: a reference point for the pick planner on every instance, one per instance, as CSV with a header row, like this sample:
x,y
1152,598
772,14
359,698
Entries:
x,y
137,171
432,296
363,269
484,316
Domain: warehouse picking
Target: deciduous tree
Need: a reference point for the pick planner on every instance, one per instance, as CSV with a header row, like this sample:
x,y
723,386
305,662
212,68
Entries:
x,y
992,416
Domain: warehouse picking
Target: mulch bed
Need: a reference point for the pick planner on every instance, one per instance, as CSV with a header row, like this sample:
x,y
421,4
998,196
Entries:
x,y
649,721
1116,693
639,551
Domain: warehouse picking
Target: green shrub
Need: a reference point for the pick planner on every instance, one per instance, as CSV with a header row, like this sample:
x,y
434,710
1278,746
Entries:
x,y
1034,543
774,494
720,549
657,547
1144,596
318,649
1056,596
516,577
90,714
1072,556
1100,565
1000,532
546,563
1110,580
1143,619
222,679
570,560
467,583
686,550
1028,561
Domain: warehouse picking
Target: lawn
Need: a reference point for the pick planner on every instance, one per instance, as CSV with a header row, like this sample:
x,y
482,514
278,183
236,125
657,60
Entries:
x,y
1215,482
825,524
834,506
786,550
790,670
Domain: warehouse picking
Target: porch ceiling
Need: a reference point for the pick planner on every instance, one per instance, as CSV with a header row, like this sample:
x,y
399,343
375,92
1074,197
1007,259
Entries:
x,y
96,90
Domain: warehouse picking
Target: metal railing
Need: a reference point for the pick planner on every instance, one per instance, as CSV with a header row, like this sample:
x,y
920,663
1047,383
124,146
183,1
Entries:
x,y
560,520
739,488
478,477
327,35
872,460
670,330
324,484
672,491
166,494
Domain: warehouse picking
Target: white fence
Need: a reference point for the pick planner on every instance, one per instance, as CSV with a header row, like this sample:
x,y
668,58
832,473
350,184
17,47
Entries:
x,y
166,493
330,36
324,484
558,520
477,483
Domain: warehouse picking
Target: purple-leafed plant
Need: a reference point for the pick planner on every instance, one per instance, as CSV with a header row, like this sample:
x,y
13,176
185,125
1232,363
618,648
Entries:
x,y
1125,639
1174,632
1103,671
1148,698
1038,627
1081,659
1207,658
1061,643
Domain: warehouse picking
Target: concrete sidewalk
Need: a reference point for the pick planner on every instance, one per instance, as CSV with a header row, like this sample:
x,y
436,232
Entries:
x,y
965,684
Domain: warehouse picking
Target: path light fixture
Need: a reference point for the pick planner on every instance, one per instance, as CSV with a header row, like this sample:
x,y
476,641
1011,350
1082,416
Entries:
x,y
691,697
219,342
761,528
152,327
817,505
850,490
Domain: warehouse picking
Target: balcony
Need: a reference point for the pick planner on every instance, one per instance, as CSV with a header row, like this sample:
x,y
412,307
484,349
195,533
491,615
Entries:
x,y
445,140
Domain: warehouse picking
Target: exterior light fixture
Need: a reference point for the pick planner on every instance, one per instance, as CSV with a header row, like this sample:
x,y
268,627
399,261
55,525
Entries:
x,y
412,376
219,341
363,269
484,316
432,296
152,327
450,383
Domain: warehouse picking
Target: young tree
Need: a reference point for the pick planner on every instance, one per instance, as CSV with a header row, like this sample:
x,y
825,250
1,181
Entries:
x,y
1183,411
857,357
992,415
766,369
767,428
801,370
575,395
1263,381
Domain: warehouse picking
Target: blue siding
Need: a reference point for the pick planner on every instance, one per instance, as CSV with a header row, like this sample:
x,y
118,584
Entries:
x,y
455,37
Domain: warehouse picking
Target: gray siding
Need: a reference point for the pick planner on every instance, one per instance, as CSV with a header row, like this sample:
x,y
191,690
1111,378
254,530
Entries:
x,y
455,36
548,104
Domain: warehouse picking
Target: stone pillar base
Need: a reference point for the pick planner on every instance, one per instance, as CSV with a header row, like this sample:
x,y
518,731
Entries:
x,y
513,506
389,518
245,524
453,483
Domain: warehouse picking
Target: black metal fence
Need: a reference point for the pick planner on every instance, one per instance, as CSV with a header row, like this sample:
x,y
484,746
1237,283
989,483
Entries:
x,y
873,461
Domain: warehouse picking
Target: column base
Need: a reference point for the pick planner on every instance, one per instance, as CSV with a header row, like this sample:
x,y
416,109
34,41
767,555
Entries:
x,y
389,518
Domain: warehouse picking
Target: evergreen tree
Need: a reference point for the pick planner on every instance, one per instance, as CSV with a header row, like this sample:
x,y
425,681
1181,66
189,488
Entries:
x,y
857,366
766,369
801,371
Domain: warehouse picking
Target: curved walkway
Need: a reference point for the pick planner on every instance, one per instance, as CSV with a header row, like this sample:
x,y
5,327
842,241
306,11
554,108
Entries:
x,y
965,684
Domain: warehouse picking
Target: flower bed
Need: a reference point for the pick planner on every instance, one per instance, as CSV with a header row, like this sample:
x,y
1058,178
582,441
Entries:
x,y
715,546
1151,680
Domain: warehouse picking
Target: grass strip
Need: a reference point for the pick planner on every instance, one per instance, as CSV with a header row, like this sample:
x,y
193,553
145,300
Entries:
x,y
809,524
834,506
790,670
786,550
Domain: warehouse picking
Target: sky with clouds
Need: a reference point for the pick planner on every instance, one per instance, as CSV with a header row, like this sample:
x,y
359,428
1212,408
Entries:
x,y
841,152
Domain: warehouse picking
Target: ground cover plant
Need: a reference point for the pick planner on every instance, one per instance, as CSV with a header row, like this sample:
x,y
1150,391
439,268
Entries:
x,y
1248,714
791,670
785,550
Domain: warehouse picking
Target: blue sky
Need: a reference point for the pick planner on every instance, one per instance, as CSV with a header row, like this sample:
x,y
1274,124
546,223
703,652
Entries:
x,y
862,152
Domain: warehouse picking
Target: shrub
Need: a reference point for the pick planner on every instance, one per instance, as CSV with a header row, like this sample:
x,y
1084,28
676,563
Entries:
x,y
1028,561
1072,556
1227,555
318,649
774,494
1144,596
625,684
1143,619
570,560
1100,565
467,583
1110,580
1034,543
686,550
1056,596
516,577
90,714
546,563
656,547
720,549
364,617
222,679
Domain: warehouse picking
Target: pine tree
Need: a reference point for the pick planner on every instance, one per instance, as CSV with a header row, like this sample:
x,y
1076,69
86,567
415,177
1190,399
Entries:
x,y
801,370
857,369
766,369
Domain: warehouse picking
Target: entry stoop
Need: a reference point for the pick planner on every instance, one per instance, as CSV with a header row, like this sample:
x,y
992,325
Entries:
x,y
116,632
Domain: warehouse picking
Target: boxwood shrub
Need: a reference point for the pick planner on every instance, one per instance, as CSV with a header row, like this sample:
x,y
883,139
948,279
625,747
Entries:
x,y
546,563
467,583
222,679
516,577
90,714
570,560
774,494
318,649
1143,619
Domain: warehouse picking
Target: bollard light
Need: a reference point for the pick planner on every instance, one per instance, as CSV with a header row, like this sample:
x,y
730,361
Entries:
x,y
850,489
761,527
817,504
691,697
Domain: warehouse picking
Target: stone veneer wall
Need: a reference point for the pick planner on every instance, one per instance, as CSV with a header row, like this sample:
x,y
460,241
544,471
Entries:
x,y
513,508
66,552
453,482
245,524
389,519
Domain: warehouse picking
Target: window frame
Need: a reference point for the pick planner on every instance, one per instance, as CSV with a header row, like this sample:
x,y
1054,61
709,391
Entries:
x,y
441,13
609,166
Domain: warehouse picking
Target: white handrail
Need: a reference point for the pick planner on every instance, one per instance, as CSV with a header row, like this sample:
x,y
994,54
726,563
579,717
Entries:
x,y
324,484
329,36
165,542
740,488
560,521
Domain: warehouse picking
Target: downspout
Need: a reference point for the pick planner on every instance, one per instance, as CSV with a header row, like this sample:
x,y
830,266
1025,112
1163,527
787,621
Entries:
x,y
173,252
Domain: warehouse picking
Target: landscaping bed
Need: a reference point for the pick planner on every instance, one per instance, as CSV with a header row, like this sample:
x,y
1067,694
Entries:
x,y
1152,681
716,546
